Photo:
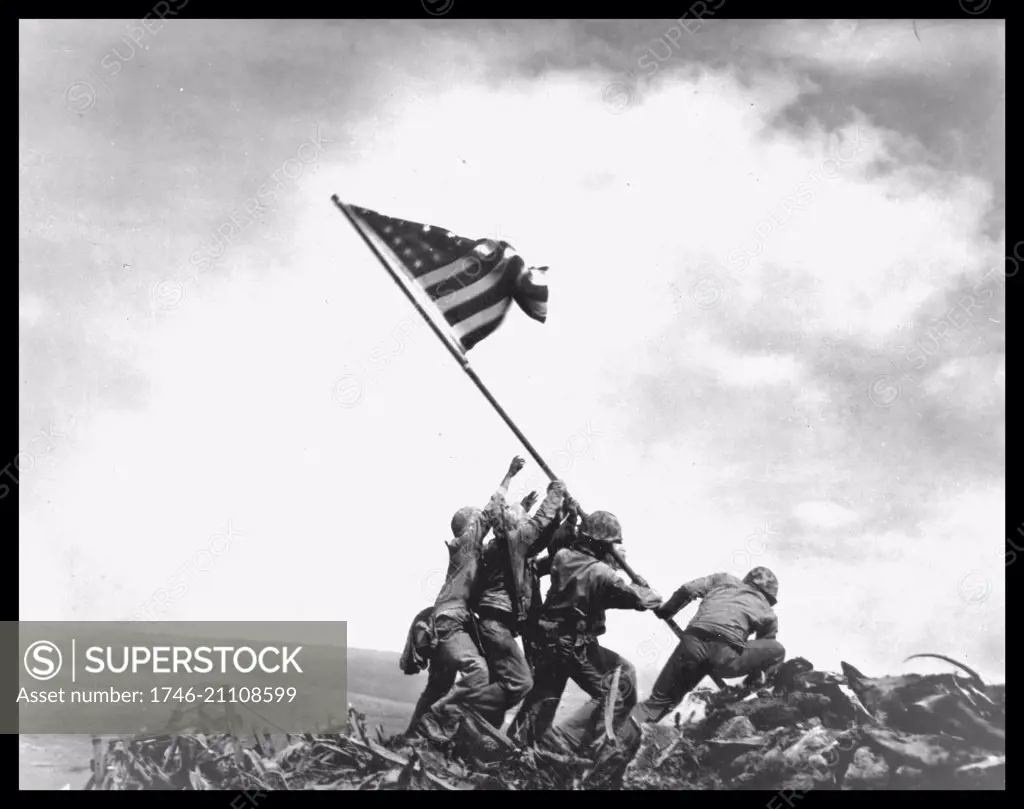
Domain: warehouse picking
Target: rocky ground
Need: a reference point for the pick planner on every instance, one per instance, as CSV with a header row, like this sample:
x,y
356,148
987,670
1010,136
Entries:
x,y
805,730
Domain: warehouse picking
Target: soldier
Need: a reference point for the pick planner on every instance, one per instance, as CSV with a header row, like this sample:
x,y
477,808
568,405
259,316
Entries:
x,y
715,641
559,535
503,599
453,623
584,585
419,654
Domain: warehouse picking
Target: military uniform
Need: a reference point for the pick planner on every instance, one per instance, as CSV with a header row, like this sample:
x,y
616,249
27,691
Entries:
x,y
505,567
420,653
573,617
715,641
557,535
453,623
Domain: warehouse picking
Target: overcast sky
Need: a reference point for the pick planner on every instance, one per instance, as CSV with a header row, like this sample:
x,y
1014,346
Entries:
x,y
776,329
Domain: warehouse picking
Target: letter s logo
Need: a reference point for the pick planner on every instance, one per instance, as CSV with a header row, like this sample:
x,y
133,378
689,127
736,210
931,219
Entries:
x,y
39,660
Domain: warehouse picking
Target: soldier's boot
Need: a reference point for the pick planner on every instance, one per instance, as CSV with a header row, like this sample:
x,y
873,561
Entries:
x,y
434,726
753,680
614,756
762,678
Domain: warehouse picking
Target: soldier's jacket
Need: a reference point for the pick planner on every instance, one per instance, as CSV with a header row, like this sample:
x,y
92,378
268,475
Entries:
x,y
464,560
729,609
556,535
419,643
535,569
520,544
582,589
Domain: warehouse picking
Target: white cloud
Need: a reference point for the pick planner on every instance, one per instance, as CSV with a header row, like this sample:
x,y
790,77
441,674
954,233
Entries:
x,y
823,514
969,384
811,397
738,370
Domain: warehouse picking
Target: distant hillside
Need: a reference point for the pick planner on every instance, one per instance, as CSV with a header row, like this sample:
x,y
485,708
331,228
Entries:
x,y
376,674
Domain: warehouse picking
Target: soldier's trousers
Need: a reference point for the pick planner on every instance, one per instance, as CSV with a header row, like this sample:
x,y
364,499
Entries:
x,y
592,668
440,678
509,672
696,657
457,651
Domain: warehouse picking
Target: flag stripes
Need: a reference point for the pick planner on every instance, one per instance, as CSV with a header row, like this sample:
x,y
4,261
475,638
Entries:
x,y
471,283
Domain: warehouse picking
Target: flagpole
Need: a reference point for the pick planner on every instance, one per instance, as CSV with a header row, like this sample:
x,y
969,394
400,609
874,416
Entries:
x,y
463,361
445,338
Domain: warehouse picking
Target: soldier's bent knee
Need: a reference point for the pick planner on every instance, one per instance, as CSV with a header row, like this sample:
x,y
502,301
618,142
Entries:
x,y
519,688
475,669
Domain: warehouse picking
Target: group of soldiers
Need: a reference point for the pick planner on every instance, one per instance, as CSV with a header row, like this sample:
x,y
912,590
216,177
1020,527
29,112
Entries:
x,y
491,597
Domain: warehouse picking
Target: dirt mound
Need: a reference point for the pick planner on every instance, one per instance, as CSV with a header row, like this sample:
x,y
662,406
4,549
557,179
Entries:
x,y
805,730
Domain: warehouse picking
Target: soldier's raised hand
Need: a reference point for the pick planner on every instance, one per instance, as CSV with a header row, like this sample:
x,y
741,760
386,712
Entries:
x,y
516,466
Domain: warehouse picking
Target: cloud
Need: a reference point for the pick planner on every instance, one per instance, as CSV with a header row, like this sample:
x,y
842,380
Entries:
x,y
970,384
890,46
718,363
822,514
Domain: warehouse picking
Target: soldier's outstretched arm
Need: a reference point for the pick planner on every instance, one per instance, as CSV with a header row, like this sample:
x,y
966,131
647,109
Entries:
x,y
532,536
698,588
495,506
514,469
555,534
615,594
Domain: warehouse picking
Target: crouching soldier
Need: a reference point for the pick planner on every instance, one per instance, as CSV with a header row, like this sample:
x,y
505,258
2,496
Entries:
x,y
715,641
584,585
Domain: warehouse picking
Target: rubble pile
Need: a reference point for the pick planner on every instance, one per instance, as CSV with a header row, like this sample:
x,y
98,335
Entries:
x,y
804,730
813,729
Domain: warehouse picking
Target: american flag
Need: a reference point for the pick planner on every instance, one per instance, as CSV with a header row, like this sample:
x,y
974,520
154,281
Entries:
x,y
472,282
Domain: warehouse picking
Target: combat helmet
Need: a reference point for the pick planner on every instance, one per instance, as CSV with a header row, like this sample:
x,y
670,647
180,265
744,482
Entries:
x,y
601,526
765,581
463,518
